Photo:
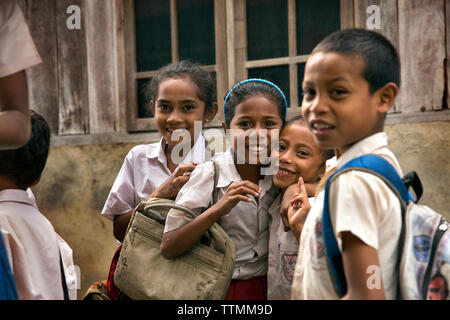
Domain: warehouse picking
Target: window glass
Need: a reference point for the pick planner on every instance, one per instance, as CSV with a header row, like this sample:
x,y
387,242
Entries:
x,y
315,20
153,47
267,29
278,75
196,31
143,103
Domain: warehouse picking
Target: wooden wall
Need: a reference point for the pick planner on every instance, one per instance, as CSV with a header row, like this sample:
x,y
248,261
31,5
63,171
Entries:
x,y
81,86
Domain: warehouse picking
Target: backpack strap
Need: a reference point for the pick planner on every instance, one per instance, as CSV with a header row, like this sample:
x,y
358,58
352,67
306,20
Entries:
x,y
381,168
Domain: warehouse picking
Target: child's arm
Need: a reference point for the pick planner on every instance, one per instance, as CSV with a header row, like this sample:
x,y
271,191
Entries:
x,y
15,125
167,190
295,208
359,261
179,241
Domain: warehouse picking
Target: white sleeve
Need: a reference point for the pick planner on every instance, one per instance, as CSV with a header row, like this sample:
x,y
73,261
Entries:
x,y
195,194
121,198
17,49
359,202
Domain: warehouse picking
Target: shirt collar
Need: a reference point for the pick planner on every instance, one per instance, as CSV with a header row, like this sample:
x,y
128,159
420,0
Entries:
x,y
365,146
229,174
196,154
17,195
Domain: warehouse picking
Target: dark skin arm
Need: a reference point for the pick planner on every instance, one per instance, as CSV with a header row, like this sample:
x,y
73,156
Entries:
x,y
167,190
357,257
15,126
179,241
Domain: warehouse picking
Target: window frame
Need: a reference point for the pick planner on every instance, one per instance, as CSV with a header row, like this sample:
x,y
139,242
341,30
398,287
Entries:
x,y
136,124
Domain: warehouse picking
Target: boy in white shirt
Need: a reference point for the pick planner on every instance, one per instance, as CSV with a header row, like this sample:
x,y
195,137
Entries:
x,y
351,81
38,256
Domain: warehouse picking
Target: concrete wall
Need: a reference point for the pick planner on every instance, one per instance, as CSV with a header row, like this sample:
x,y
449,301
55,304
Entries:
x,y
77,180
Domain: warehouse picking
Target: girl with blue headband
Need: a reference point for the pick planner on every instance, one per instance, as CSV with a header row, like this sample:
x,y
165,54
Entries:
x,y
255,111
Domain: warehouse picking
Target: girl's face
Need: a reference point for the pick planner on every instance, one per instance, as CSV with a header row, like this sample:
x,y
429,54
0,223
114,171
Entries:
x,y
252,127
299,156
177,106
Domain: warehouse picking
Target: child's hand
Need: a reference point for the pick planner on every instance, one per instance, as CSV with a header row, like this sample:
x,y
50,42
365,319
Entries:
x,y
170,188
295,215
237,191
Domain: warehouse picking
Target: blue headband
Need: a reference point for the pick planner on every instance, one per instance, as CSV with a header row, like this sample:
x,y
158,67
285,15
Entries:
x,y
256,80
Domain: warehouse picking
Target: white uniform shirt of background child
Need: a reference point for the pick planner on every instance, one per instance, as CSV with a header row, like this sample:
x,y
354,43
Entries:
x,y
144,169
33,249
20,52
247,223
353,195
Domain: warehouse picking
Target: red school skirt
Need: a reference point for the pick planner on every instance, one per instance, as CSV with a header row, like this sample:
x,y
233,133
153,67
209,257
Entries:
x,y
250,289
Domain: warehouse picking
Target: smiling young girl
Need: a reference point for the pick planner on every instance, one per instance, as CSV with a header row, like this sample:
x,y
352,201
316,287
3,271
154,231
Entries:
x,y
302,162
254,109
180,94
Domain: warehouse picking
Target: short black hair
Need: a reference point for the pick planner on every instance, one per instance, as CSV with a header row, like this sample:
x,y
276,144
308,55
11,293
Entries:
x,y
185,69
380,56
25,165
251,89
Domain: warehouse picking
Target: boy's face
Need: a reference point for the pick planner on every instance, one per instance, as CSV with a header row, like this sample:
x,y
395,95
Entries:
x,y
337,103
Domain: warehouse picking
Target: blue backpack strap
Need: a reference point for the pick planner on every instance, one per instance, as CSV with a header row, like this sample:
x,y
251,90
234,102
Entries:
x,y
369,163
8,290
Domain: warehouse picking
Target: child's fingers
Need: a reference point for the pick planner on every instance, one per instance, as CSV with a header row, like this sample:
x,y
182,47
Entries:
x,y
248,184
243,190
181,170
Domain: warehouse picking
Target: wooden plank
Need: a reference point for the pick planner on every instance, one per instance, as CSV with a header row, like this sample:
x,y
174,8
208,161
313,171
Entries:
x,y
422,53
447,26
240,41
276,61
347,14
292,36
43,79
72,71
220,27
129,32
174,30
101,66
121,125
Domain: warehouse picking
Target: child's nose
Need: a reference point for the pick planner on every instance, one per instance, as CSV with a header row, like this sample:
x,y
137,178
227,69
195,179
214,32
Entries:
x,y
174,117
318,105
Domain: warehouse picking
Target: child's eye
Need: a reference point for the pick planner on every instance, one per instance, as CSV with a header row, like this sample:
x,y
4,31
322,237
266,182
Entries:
x,y
188,108
244,124
163,107
308,92
338,92
281,147
270,123
302,153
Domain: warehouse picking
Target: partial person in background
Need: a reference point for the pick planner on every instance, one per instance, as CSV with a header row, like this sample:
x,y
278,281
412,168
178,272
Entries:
x,y
17,53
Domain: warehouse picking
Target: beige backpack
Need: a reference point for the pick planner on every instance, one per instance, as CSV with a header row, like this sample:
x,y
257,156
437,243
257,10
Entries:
x,y
203,273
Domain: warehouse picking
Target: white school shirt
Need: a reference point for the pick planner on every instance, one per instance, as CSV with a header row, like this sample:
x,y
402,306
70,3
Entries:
x,y
17,49
283,250
33,248
362,204
247,223
144,169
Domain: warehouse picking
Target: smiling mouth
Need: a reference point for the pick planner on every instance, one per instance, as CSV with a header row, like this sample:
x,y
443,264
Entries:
x,y
282,172
320,126
172,130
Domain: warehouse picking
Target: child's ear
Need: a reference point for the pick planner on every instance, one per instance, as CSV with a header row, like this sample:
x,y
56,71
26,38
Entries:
x,y
212,113
35,182
152,107
224,127
386,97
